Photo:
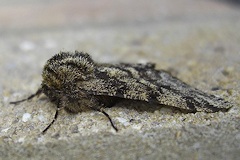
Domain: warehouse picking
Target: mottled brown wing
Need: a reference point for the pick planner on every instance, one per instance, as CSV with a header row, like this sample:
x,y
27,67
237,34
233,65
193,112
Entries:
x,y
145,83
117,81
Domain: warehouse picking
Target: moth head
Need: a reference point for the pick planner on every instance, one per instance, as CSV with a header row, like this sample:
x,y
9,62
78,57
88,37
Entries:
x,y
64,69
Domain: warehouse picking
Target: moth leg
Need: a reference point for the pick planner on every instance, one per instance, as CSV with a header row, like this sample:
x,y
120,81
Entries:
x,y
54,119
109,118
39,91
100,109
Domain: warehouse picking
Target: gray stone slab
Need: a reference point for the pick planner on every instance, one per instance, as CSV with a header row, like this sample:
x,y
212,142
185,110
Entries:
x,y
201,49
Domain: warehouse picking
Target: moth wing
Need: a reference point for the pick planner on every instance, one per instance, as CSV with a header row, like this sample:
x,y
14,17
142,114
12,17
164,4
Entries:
x,y
124,87
144,82
173,92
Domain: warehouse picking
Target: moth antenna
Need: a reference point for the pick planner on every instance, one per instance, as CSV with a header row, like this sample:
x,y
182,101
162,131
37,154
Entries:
x,y
39,91
55,117
109,118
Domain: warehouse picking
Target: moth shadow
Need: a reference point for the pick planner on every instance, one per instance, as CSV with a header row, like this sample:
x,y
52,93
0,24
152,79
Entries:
x,y
141,106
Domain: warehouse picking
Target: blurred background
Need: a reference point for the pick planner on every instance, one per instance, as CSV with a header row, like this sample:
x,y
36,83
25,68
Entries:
x,y
174,34
25,15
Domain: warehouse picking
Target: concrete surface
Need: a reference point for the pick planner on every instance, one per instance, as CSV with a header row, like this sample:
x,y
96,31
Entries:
x,y
196,41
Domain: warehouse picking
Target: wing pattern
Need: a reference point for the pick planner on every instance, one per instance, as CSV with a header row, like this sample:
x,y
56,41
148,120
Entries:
x,y
143,82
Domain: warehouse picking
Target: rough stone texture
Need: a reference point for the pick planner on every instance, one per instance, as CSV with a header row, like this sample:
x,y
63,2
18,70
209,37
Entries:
x,y
197,41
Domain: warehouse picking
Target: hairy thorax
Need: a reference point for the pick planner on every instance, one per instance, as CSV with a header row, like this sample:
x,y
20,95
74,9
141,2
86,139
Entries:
x,y
60,76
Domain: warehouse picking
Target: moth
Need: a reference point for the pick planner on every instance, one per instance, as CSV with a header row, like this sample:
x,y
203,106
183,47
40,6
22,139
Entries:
x,y
74,82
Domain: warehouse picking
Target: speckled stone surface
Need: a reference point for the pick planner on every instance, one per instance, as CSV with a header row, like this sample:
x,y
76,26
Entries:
x,y
198,44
